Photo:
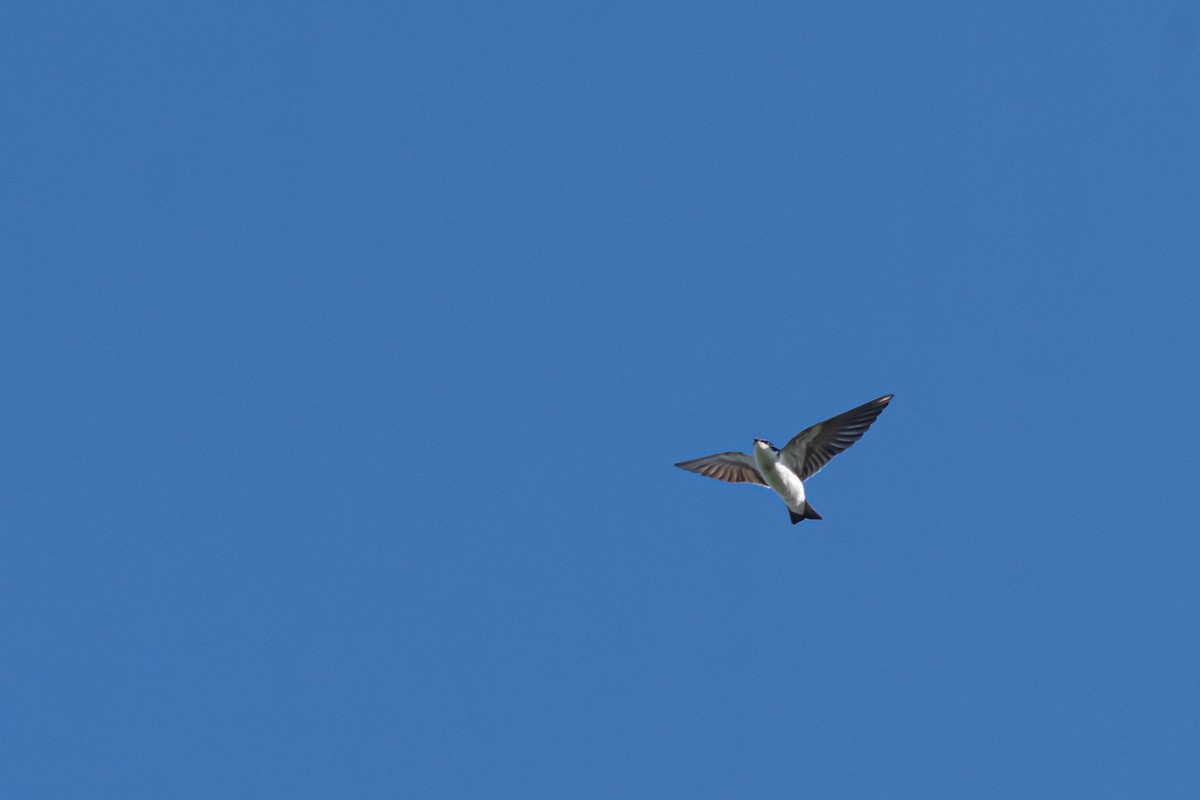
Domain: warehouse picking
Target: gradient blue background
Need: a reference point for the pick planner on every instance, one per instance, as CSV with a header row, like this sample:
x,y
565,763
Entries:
x,y
347,349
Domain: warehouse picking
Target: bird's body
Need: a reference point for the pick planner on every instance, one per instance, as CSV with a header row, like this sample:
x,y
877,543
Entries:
x,y
779,477
784,471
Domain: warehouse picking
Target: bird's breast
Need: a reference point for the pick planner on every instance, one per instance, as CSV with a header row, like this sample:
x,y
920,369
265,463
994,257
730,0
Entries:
x,y
785,482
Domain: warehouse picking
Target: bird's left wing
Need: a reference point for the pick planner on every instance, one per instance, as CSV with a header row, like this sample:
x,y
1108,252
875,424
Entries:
x,y
730,467
811,448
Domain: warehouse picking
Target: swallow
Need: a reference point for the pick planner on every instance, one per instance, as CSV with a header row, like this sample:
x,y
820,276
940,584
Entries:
x,y
786,470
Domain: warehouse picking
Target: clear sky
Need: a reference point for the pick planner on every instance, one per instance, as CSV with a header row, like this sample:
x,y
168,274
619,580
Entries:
x,y
347,349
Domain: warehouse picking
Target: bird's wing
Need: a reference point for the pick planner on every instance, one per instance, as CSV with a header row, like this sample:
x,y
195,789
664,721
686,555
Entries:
x,y
729,467
811,448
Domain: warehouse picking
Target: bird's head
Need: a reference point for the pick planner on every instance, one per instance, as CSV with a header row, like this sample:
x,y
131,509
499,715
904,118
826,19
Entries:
x,y
763,444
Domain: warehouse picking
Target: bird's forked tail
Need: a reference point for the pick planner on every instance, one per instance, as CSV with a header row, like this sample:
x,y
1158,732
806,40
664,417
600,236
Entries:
x,y
808,512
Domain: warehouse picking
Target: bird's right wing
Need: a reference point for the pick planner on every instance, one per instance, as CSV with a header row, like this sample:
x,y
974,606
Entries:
x,y
729,467
811,448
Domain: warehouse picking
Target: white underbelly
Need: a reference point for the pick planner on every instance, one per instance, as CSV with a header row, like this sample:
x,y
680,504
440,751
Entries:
x,y
785,483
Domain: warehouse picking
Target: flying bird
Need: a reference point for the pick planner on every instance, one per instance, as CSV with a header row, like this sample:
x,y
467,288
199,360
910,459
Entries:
x,y
786,470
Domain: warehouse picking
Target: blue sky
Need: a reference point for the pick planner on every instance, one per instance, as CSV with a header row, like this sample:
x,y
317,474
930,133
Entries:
x,y
347,349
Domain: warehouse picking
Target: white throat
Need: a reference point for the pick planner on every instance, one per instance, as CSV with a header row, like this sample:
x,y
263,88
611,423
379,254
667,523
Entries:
x,y
765,454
